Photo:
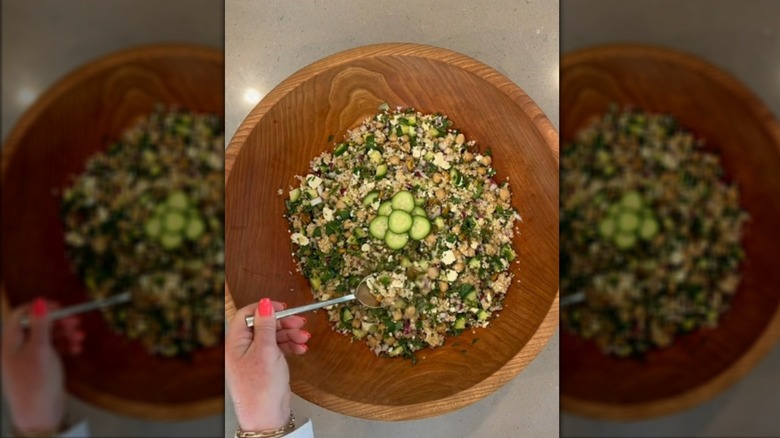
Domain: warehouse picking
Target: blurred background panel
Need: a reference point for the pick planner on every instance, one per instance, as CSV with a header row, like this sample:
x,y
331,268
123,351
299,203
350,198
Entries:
x,y
43,41
743,39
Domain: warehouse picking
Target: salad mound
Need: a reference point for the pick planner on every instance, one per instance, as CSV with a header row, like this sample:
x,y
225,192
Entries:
x,y
147,217
407,198
651,233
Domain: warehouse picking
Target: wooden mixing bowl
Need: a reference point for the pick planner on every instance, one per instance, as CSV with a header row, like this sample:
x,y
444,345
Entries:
x,y
291,126
80,115
716,107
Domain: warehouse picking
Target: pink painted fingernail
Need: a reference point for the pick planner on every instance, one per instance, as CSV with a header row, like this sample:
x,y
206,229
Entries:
x,y
308,335
265,307
39,308
304,319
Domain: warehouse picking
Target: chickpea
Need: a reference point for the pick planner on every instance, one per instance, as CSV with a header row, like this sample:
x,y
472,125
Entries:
x,y
379,125
359,140
444,286
394,160
433,273
397,315
481,171
459,267
393,138
486,160
410,312
333,238
460,139
456,230
503,194
410,164
390,341
440,194
436,177
325,196
468,156
406,147
405,138
340,205
431,239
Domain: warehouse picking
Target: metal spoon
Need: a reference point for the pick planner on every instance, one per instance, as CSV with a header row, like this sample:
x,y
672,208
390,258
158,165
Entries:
x,y
81,308
362,294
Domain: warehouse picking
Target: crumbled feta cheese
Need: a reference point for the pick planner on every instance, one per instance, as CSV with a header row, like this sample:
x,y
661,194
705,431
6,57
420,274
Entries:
x,y
440,161
316,201
300,239
451,275
448,257
314,181
365,248
327,213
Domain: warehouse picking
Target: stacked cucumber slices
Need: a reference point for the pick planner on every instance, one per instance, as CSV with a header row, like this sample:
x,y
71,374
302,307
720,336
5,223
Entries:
x,y
175,220
629,220
399,219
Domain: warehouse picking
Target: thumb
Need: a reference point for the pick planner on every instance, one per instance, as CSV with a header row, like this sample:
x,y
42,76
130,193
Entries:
x,y
40,326
265,324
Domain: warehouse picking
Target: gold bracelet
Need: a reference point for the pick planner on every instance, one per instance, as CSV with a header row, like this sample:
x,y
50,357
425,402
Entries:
x,y
270,433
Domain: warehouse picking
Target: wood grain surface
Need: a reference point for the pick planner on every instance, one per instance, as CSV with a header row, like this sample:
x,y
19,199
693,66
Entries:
x,y
735,124
84,113
291,126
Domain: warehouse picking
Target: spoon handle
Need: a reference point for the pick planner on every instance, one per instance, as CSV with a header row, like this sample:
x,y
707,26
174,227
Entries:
x,y
81,308
250,320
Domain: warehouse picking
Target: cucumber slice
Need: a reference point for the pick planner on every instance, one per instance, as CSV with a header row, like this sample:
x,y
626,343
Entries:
x,y
385,208
471,296
625,240
508,253
316,283
419,212
419,202
403,200
374,156
174,221
456,178
178,200
399,221
195,228
628,221
474,263
460,323
378,227
312,193
395,351
295,194
607,227
411,120
359,233
170,240
153,227
340,149
614,210
482,315
396,241
649,228
421,227
346,315
632,200
439,222
381,171
433,132
370,198
358,333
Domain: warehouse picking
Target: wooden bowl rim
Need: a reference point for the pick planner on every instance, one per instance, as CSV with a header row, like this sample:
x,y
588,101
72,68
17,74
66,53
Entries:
x,y
771,333
550,322
142,410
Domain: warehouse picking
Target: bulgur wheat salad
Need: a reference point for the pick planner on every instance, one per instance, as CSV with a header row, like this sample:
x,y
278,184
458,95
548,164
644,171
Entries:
x,y
651,233
405,197
146,217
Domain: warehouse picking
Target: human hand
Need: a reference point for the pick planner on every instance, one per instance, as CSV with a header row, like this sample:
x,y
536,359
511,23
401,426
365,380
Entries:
x,y
255,367
32,373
